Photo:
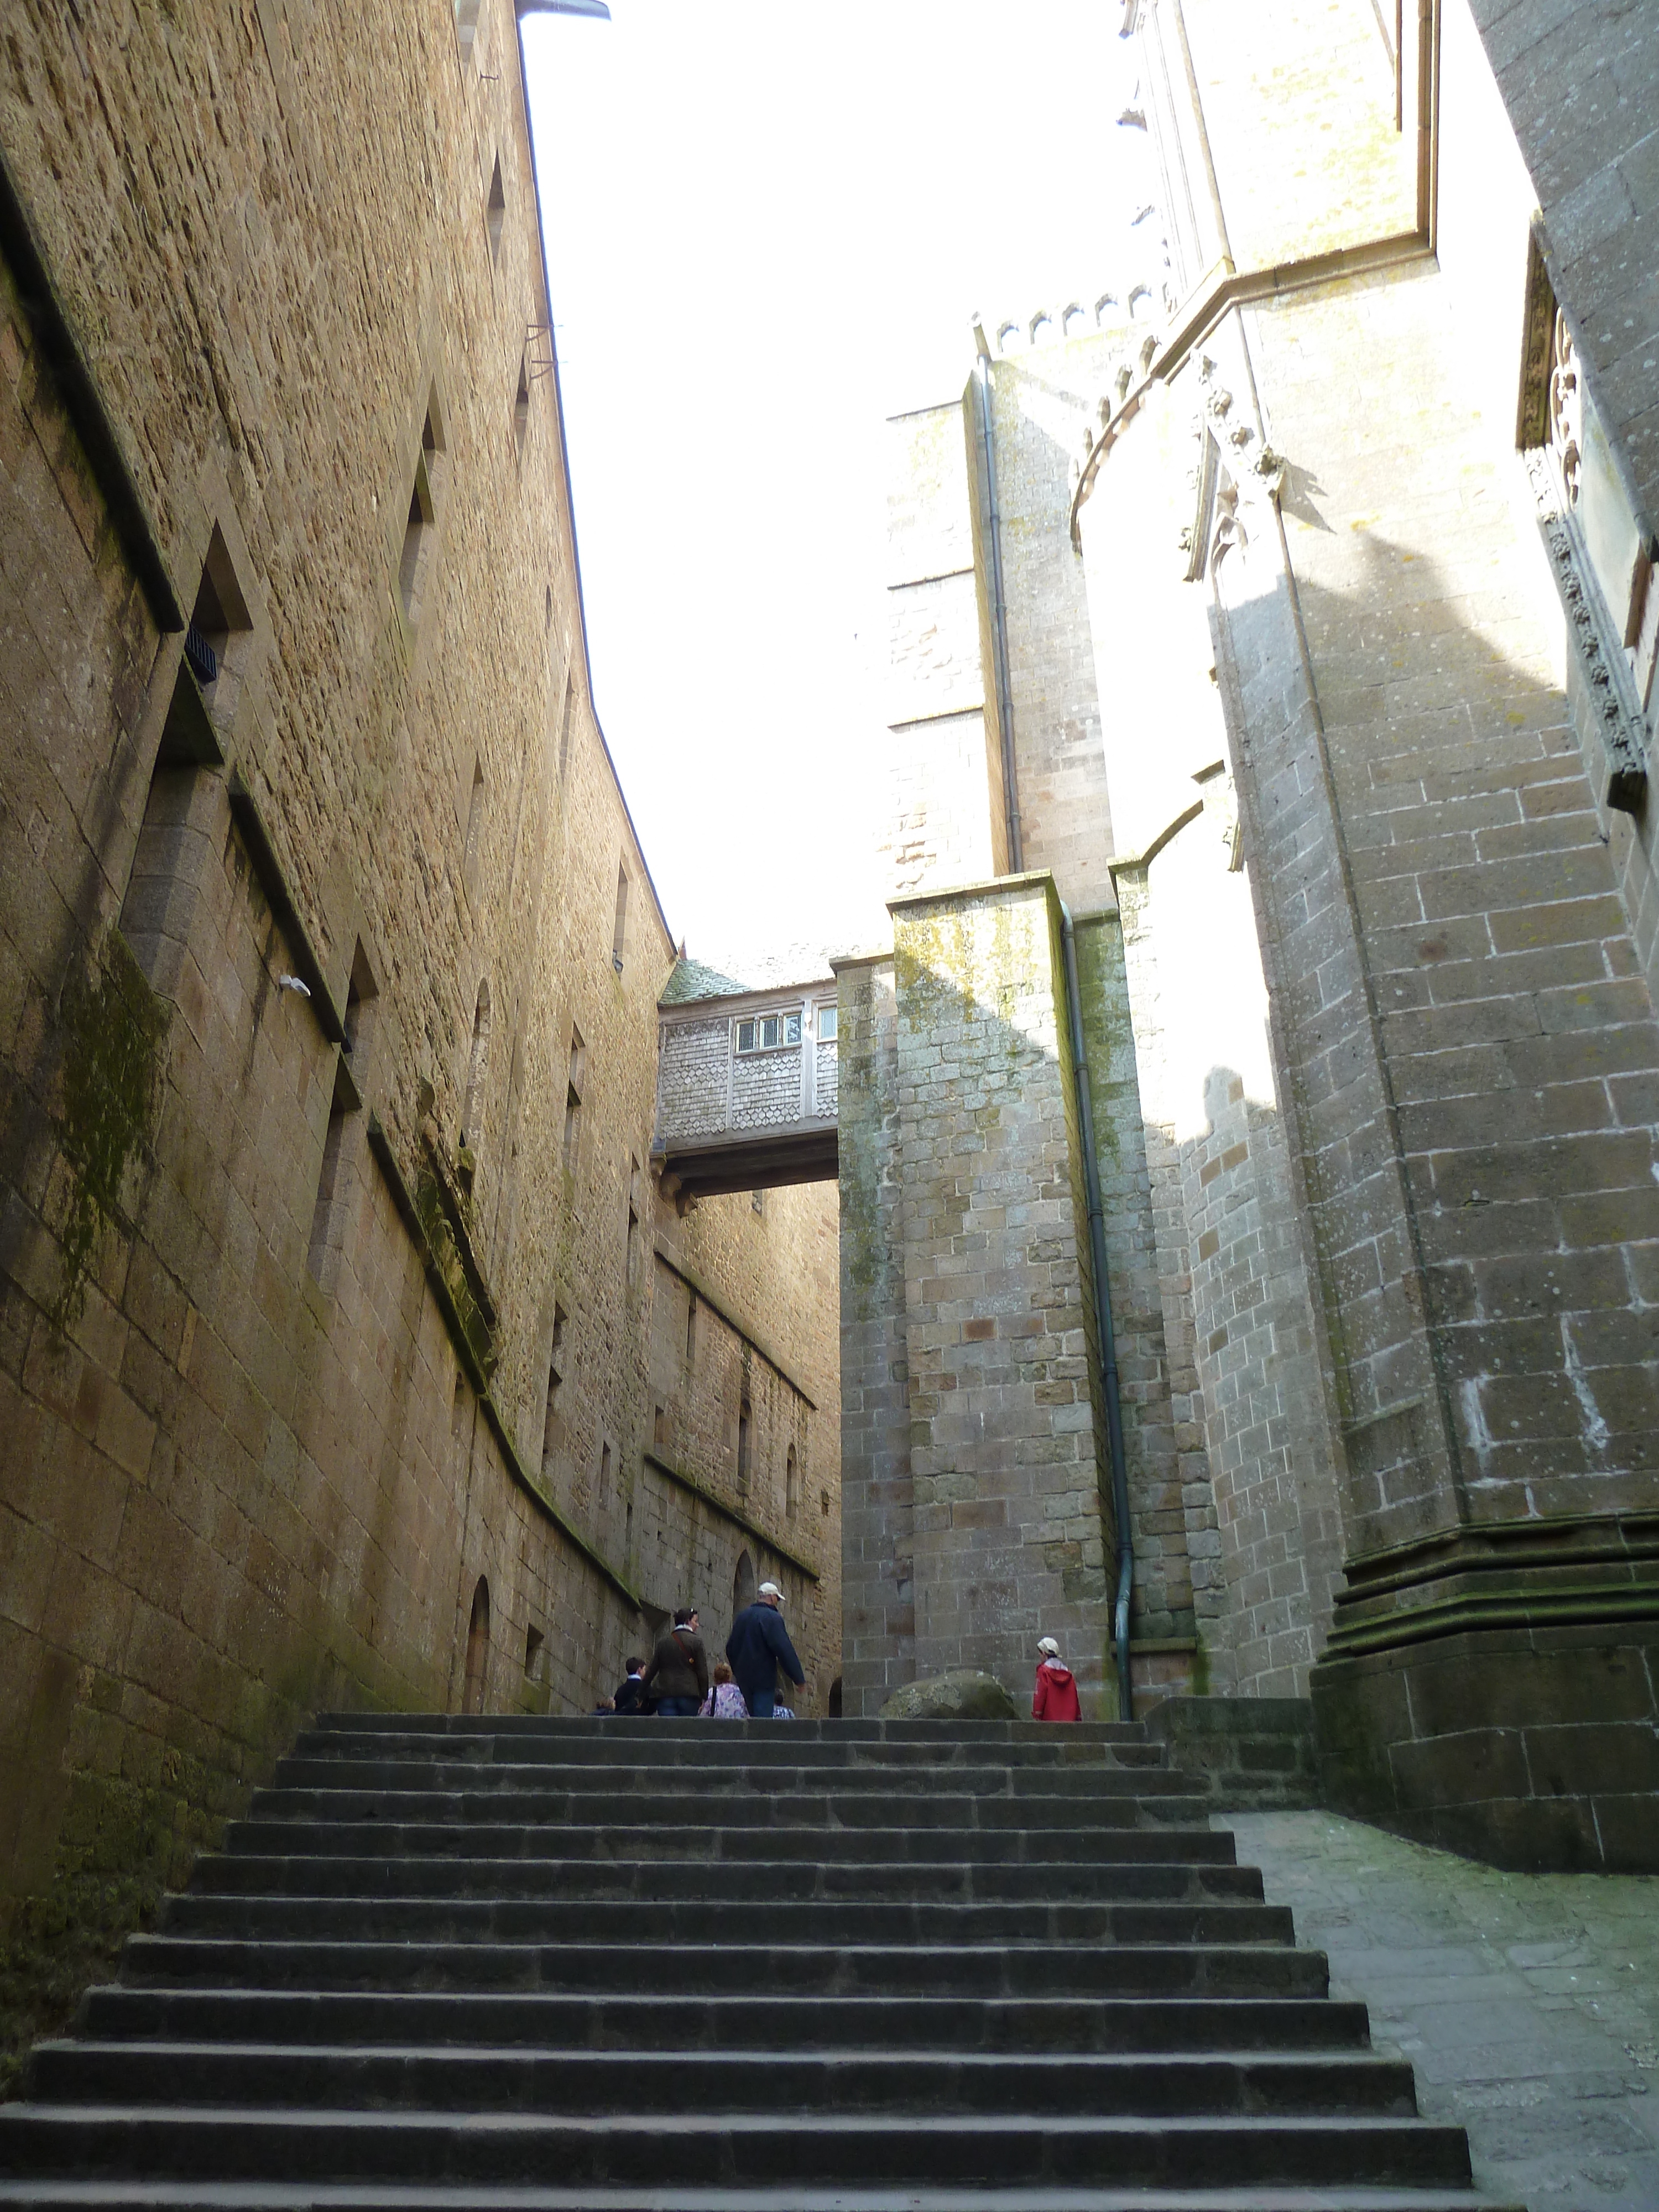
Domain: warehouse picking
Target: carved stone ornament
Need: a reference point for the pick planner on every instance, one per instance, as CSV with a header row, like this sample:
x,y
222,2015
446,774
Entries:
x,y
1566,410
1606,671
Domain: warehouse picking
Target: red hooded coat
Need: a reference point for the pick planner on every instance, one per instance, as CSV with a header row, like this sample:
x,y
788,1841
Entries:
x,y
1054,1695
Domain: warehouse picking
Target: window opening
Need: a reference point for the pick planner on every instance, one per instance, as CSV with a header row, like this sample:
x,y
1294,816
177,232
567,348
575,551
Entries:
x,y
744,1424
466,26
532,1654
791,1483
474,830
757,1201
564,727
769,1033
327,1182
477,1080
458,1410
743,1584
495,211
622,920
572,1100
659,1428
690,1327
824,1504
828,1019
632,1252
521,407
477,1650
604,1474
550,1424
422,519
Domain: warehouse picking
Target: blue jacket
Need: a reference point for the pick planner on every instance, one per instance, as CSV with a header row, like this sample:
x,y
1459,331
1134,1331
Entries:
x,y
758,1644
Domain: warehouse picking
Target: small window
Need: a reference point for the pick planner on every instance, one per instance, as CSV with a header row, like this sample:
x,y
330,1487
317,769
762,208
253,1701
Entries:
x,y
757,1201
572,1101
690,1327
420,527
550,1424
827,1017
604,1474
768,1032
659,1429
744,1428
824,1504
521,407
496,212
458,1410
620,932
532,1655
791,1483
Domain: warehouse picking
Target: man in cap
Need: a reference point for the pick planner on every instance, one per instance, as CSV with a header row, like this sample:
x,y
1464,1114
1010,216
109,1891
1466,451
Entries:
x,y
757,1646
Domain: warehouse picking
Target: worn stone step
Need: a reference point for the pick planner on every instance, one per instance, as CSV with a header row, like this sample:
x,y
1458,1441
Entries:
x,y
727,1784
917,1736
971,1970
117,2196
929,1880
719,2149
689,2080
707,1919
716,1749
1113,1842
631,2025
956,1813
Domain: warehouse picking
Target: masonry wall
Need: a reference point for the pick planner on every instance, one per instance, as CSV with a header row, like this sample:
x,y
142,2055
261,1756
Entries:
x,y
280,1268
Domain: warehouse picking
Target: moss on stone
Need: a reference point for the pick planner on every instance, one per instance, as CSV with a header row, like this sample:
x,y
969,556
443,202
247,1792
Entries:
x,y
113,1025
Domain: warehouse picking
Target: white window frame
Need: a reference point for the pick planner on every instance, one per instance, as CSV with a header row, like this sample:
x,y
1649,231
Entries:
x,y
755,1024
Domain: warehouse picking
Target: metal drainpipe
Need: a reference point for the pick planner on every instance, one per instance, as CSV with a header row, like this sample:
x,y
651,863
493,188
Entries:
x,y
1107,1348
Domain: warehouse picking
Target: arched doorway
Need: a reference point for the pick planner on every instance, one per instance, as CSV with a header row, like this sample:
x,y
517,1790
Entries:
x,y
477,1650
743,1584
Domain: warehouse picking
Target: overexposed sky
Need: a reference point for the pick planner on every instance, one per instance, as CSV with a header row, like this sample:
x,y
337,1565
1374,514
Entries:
x,y
766,226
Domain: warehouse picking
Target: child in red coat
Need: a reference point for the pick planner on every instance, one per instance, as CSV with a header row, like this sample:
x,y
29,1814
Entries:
x,y
1054,1695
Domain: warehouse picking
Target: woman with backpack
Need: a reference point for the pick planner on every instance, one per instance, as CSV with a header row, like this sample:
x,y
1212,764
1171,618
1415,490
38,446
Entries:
x,y
680,1668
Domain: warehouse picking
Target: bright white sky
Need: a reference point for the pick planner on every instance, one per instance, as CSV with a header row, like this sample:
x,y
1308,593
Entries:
x,y
766,226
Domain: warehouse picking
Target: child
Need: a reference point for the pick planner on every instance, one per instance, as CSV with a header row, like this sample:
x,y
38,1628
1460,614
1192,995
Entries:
x,y
1054,1695
724,1699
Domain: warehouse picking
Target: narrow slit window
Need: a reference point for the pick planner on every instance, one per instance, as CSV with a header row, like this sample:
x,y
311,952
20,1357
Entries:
x,y
421,522
552,1429
521,407
477,1080
475,814
620,931
495,211
533,1643
791,1483
572,1101
745,1425
690,1328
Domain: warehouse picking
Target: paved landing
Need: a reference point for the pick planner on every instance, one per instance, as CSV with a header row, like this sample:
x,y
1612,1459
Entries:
x,y
1528,2005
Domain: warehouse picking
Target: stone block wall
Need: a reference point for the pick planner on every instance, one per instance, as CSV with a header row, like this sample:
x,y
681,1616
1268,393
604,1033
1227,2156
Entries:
x,y
281,1268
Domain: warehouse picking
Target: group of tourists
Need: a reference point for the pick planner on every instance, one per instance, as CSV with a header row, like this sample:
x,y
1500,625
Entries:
x,y
677,1682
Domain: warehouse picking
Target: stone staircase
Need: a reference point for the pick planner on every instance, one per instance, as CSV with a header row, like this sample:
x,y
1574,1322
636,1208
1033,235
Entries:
x,y
625,1964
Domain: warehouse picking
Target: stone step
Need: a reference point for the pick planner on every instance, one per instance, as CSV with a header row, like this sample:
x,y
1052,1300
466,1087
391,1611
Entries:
x,y
692,2080
927,1880
946,1736
1109,1844
675,1744
706,1918
956,1813
726,2150
117,2196
725,1782
631,2025
970,1971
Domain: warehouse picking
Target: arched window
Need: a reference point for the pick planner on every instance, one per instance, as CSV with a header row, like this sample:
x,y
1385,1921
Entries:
x,y
743,1584
791,1483
477,1650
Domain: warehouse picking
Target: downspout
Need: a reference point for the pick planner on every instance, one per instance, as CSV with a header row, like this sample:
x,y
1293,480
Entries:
x,y
998,606
1107,1345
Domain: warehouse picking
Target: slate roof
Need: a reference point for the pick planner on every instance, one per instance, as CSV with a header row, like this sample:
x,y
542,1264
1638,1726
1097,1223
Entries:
x,y
692,980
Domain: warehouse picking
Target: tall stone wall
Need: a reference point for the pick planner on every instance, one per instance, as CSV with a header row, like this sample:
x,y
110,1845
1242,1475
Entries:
x,y
968,1169
304,954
